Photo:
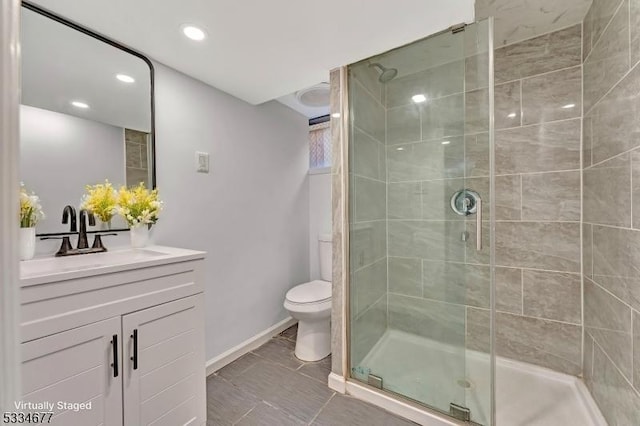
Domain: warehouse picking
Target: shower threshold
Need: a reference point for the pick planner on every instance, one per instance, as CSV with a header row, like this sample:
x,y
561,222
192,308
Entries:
x,y
421,369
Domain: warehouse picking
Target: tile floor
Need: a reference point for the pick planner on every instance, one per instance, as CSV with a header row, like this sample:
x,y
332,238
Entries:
x,y
271,387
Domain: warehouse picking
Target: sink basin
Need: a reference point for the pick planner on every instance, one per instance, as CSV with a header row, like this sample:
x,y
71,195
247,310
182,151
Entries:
x,y
58,265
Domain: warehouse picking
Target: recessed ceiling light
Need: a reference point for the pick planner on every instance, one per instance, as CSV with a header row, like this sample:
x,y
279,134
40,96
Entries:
x,y
446,142
336,115
567,106
512,115
125,78
419,98
79,104
194,33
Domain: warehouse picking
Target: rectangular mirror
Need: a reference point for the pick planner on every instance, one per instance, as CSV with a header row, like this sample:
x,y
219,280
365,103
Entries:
x,y
86,114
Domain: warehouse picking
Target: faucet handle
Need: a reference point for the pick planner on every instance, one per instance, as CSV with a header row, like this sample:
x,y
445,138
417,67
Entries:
x,y
97,242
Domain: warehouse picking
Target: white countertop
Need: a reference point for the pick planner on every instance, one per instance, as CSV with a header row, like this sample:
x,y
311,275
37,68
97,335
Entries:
x,y
52,269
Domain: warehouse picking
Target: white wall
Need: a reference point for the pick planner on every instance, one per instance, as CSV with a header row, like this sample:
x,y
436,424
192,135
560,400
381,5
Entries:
x,y
319,216
250,213
60,154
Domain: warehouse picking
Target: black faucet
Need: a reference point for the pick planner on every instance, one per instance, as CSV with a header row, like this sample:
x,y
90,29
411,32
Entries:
x,y
68,212
82,237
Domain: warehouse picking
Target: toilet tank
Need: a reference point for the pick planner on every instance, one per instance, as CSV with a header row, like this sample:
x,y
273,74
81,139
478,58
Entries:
x,y
324,247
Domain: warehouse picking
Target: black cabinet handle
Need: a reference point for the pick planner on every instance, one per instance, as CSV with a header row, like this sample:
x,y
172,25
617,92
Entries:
x,y
114,364
134,358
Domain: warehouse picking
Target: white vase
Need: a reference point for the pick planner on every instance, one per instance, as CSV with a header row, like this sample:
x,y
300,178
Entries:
x,y
27,243
139,236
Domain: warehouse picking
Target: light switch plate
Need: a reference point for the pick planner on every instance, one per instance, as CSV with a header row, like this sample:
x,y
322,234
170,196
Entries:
x,y
202,162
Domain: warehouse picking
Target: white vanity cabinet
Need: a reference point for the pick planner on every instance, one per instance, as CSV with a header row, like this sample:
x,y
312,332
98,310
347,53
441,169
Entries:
x,y
128,338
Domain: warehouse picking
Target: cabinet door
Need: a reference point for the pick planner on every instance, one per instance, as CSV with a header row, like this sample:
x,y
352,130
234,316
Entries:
x,y
76,366
164,382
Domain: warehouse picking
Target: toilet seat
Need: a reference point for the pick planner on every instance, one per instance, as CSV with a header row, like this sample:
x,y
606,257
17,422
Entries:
x,y
314,292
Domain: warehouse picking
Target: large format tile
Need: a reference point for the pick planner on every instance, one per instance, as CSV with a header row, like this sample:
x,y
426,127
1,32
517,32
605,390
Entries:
x,y
405,276
549,52
476,155
366,329
444,322
549,97
608,321
616,262
587,140
507,105
539,245
345,410
436,196
434,83
609,59
619,404
435,240
548,343
279,351
226,403
443,117
426,160
587,249
368,156
403,124
238,366
508,197
267,415
368,112
636,350
368,243
635,194
607,192
404,200
597,19
278,386
508,290
370,199
616,119
459,283
634,20
318,370
369,284
552,295
476,111
551,196
587,362
539,148
542,342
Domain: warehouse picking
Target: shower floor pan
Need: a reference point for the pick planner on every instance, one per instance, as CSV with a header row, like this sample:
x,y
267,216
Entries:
x,y
526,395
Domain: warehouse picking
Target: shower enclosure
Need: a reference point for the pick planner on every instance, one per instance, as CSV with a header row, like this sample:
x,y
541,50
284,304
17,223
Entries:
x,y
420,198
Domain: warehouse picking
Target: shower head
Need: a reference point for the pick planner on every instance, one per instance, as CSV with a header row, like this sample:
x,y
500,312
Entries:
x,y
386,74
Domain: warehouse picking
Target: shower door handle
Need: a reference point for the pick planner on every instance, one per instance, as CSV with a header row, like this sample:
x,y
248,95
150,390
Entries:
x,y
479,224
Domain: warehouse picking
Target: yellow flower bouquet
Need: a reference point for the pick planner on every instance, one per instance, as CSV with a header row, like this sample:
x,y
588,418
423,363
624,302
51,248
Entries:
x,y
138,205
30,208
101,200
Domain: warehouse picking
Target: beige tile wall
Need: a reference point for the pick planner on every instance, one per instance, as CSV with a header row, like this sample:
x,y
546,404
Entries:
x,y
611,176
537,152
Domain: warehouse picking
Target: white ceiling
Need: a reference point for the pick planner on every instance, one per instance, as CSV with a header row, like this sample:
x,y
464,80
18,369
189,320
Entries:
x,y
61,65
517,20
261,50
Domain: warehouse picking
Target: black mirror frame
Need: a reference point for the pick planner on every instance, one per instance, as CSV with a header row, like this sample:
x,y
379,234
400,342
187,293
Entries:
x,y
100,37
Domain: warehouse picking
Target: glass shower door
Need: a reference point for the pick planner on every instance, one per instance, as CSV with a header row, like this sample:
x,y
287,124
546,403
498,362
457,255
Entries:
x,y
420,283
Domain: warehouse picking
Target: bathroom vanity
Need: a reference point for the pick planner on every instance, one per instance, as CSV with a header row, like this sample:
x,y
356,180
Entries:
x,y
122,330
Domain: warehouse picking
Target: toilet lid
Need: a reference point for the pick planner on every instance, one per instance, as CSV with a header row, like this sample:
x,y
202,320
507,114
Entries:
x,y
312,292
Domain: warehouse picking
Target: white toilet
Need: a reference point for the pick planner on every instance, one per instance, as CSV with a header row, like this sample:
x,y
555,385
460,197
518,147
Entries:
x,y
310,304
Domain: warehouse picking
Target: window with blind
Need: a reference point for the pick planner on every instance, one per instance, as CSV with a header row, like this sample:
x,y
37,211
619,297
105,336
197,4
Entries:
x,y
320,146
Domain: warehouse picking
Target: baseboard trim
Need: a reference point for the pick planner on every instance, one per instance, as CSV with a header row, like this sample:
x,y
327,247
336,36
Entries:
x,y
216,363
337,383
